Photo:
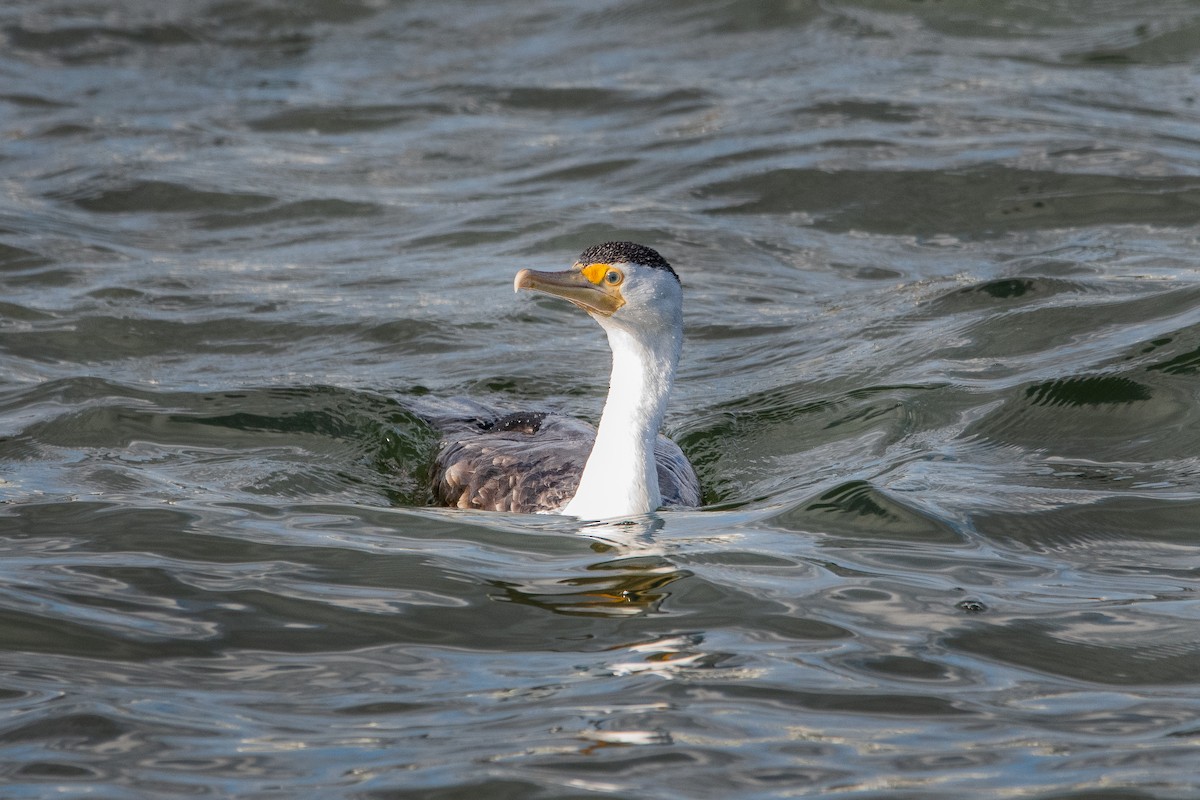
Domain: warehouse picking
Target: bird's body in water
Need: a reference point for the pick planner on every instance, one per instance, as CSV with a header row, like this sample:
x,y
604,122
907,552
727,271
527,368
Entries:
x,y
541,462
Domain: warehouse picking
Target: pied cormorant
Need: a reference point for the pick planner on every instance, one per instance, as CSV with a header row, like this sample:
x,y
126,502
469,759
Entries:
x,y
541,462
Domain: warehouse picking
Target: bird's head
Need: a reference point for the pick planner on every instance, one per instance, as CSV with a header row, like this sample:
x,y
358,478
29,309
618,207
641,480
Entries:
x,y
617,283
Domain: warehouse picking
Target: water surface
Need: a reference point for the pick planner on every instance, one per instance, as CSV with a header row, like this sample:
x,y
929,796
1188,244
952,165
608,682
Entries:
x,y
941,382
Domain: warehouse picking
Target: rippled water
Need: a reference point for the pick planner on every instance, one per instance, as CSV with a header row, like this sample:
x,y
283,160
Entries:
x,y
941,381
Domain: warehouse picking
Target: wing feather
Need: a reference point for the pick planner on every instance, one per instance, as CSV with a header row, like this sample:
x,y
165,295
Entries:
x,y
531,463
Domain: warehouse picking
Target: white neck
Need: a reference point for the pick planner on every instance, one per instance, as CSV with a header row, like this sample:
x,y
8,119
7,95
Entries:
x,y
620,478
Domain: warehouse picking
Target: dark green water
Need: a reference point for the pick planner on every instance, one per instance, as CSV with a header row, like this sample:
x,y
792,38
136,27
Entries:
x,y
941,381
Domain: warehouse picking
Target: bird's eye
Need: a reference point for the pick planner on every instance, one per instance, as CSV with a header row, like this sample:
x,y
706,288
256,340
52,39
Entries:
x,y
613,277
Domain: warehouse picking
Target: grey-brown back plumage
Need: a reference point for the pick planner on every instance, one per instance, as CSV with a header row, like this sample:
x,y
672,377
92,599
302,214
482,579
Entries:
x,y
531,461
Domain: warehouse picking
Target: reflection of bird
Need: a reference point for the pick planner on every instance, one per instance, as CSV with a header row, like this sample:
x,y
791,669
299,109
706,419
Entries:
x,y
541,462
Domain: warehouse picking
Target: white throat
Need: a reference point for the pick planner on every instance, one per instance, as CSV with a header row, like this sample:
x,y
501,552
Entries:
x,y
621,478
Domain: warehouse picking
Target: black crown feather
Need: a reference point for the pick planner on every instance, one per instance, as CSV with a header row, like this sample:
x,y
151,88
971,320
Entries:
x,y
627,252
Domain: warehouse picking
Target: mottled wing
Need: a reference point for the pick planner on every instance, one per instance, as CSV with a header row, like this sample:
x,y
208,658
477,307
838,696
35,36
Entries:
x,y
513,466
677,481
531,462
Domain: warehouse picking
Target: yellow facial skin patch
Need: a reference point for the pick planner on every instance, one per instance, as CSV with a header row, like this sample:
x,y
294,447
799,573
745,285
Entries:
x,y
596,272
